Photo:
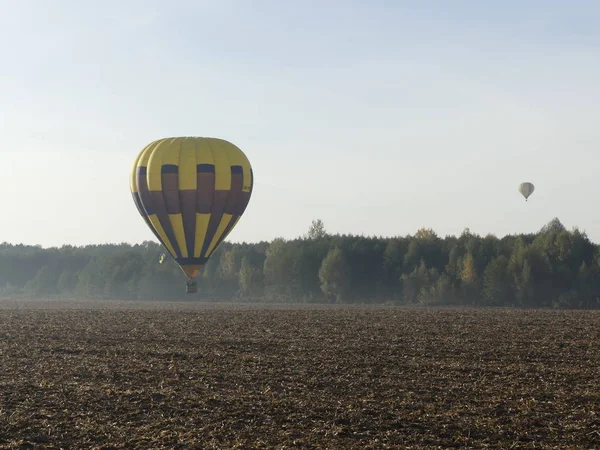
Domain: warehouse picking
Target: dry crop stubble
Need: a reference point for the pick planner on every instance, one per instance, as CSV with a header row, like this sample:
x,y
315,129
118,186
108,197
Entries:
x,y
217,376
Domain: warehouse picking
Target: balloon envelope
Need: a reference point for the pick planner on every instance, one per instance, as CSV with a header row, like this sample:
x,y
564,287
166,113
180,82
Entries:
x,y
526,189
191,191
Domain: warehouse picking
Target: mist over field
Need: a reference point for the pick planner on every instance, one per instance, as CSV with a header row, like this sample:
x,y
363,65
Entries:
x,y
553,267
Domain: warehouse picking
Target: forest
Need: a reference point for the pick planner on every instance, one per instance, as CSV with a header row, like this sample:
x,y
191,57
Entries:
x,y
554,267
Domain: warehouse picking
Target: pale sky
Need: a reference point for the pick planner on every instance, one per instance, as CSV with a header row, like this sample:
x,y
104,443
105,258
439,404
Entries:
x,y
378,117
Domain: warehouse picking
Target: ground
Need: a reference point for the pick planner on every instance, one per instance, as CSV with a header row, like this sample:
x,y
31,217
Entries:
x,y
146,375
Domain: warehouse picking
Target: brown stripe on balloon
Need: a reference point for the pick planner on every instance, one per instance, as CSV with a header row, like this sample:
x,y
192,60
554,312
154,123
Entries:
x,y
160,209
145,200
226,231
170,188
216,213
205,182
138,204
236,204
142,187
242,204
140,208
187,200
235,194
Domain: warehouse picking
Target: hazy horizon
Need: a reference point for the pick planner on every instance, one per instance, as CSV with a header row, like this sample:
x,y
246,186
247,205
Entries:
x,y
300,235
378,118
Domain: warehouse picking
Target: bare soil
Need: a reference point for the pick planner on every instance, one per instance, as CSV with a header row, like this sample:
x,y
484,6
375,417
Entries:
x,y
116,375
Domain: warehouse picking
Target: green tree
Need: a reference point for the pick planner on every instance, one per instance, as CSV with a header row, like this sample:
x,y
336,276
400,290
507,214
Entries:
x,y
393,264
334,275
67,281
283,270
250,280
316,230
524,286
438,290
414,283
496,283
469,279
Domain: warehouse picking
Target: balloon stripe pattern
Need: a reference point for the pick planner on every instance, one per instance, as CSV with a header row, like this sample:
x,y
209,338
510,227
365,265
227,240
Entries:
x,y
526,189
191,192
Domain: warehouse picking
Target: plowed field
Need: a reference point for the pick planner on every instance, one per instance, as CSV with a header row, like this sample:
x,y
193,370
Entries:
x,y
181,376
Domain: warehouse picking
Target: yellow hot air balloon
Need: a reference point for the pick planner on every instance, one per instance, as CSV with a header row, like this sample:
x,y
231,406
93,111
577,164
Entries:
x,y
191,191
526,189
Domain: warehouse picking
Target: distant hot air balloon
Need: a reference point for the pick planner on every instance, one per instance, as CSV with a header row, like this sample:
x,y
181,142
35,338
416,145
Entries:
x,y
191,192
526,189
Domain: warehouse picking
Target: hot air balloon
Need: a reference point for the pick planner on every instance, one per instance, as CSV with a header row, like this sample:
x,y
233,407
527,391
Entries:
x,y
191,192
526,189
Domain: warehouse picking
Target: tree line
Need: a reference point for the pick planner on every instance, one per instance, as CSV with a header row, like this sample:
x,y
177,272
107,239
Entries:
x,y
554,267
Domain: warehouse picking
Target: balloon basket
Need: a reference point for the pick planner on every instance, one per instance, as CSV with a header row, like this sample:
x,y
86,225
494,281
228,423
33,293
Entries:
x,y
191,287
